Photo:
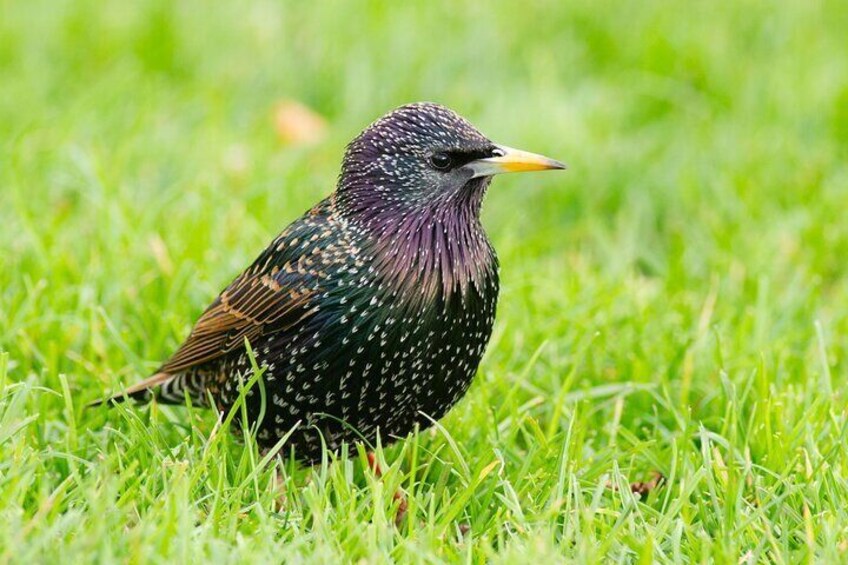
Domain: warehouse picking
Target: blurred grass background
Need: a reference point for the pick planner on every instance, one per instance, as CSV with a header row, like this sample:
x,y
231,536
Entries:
x,y
677,301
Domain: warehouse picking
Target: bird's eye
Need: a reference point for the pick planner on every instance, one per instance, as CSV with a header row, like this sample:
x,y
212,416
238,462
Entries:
x,y
441,161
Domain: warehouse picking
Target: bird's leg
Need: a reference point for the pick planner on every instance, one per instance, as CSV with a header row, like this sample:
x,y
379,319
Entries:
x,y
374,465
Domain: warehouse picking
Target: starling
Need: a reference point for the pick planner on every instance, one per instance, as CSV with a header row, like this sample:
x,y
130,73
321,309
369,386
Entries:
x,y
371,312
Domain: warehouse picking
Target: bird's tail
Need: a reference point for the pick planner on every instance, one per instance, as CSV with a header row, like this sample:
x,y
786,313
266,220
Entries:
x,y
142,391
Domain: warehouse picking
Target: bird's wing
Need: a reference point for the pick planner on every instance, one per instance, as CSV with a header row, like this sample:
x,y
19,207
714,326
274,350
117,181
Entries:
x,y
273,294
253,303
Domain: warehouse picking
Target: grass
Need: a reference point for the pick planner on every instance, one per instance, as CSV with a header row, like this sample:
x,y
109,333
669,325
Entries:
x,y
676,302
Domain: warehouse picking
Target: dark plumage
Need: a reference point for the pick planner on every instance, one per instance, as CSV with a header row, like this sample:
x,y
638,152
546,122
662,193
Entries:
x,y
371,312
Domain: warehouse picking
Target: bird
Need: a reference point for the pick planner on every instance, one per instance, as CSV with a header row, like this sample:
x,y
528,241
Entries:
x,y
369,314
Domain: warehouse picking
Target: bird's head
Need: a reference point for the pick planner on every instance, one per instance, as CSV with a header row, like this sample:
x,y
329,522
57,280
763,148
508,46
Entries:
x,y
424,157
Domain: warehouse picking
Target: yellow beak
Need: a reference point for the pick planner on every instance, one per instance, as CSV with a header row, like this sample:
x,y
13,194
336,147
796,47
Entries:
x,y
512,161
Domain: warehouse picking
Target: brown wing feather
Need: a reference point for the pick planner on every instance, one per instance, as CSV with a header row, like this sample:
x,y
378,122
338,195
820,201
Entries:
x,y
244,310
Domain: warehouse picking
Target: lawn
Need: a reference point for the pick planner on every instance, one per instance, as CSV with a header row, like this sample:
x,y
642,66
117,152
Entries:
x,y
676,302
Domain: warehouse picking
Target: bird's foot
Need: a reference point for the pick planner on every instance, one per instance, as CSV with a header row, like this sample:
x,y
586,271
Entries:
x,y
398,496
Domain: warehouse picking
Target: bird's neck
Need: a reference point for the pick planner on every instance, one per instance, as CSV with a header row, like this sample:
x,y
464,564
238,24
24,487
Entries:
x,y
427,252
